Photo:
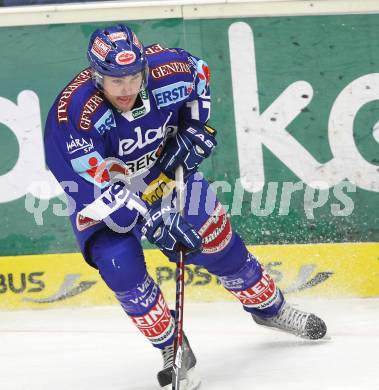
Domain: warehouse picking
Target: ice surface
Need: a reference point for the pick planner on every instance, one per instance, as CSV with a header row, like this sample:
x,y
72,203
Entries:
x,y
99,349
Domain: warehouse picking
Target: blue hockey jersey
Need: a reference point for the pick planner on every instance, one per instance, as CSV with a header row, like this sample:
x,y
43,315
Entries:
x,y
83,129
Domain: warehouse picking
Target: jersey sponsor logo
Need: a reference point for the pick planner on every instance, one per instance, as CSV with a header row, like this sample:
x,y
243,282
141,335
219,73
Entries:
x,y
144,296
216,232
172,93
106,122
113,198
125,57
144,138
140,111
157,324
243,278
157,48
233,284
144,162
144,95
170,68
100,49
203,75
117,36
146,284
91,167
158,188
261,295
77,144
83,223
147,299
91,105
66,95
154,49
118,169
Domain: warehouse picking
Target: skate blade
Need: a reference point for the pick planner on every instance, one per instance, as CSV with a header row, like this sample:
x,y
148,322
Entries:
x,y
191,382
327,337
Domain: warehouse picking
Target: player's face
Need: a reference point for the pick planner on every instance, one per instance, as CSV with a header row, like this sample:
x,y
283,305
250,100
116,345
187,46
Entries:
x,y
122,92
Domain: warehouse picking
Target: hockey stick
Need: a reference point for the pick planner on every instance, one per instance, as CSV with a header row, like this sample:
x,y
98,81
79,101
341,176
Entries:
x,y
179,303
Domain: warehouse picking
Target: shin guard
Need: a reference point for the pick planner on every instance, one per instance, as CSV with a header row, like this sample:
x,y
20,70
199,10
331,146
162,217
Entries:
x,y
255,289
148,309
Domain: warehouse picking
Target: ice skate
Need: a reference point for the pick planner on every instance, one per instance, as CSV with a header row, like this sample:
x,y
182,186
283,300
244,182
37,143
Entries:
x,y
191,381
297,322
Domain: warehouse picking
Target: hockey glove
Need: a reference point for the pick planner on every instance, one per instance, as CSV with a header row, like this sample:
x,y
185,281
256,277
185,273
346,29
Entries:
x,y
192,144
168,230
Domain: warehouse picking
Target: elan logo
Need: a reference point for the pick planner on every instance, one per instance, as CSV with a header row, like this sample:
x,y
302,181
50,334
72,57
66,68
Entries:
x,y
144,139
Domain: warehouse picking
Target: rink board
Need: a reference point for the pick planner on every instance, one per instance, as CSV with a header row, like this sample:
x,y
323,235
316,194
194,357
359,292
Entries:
x,y
325,270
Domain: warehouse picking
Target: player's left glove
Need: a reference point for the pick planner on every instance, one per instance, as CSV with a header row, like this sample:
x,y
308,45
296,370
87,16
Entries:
x,y
167,229
191,145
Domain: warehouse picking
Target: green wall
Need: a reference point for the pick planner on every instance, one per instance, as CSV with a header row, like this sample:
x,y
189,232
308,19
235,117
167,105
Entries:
x,y
328,52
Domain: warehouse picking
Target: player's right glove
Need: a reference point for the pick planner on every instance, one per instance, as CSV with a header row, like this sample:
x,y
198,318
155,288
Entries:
x,y
168,230
191,145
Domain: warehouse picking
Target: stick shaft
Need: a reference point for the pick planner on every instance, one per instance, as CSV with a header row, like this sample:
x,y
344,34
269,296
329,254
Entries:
x,y
179,302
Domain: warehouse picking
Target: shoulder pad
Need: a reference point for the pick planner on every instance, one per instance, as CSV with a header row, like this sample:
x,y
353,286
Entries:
x,y
64,100
170,67
171,77
90,109
80,103
156,48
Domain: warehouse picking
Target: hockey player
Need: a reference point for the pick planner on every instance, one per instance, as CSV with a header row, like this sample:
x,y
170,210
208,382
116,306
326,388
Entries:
x,y
148,108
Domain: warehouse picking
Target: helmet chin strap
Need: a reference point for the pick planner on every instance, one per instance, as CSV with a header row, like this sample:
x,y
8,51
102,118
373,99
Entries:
x,y
98,80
